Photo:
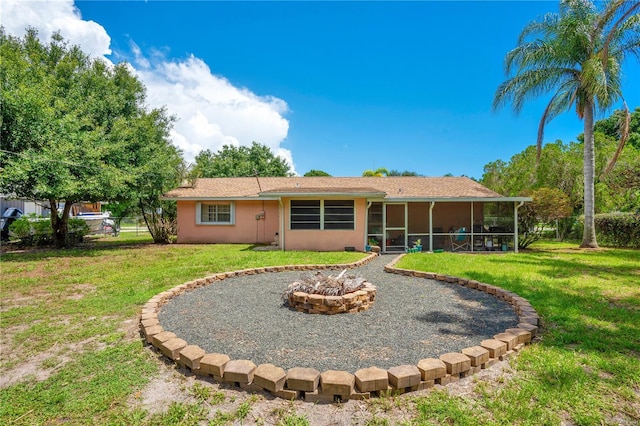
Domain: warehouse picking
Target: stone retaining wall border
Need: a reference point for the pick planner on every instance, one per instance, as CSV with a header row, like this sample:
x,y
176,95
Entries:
x,y
329,386
357,301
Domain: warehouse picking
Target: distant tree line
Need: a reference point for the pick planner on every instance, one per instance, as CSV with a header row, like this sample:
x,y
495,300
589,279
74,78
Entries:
x,y
560,168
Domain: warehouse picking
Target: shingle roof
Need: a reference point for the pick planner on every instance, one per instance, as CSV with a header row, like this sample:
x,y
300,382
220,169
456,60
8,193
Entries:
x,y
395,187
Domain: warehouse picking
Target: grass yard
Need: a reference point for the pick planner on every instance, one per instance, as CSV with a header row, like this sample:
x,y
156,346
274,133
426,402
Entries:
x,y
586,370
70,351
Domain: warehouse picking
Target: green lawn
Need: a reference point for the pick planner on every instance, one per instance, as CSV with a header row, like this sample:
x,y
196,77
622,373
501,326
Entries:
x,y
69,314
586,369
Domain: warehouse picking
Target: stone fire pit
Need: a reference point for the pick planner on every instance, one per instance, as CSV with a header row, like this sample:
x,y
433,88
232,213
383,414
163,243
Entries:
x,y
320,294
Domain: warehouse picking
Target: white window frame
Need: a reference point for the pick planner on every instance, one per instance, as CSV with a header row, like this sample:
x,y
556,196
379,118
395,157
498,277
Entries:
x,y
232,215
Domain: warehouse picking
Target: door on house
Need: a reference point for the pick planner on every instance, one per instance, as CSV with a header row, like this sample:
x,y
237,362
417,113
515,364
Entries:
x,y
395,222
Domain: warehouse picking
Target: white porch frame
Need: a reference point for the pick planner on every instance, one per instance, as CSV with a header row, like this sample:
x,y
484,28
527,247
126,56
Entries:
x,y
517,203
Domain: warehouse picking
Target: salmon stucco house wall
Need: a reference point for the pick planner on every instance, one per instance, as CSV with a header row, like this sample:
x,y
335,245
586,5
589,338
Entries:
x,y
337,213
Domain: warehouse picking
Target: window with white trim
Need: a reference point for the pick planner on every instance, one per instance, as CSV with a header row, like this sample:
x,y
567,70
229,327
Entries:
x,y
322,214
215,213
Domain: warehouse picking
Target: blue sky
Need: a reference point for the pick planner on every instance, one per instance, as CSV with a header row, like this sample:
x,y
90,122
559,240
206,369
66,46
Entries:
x,y
336,86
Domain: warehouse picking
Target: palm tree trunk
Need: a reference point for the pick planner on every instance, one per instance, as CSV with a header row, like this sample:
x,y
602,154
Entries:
x,y
589,234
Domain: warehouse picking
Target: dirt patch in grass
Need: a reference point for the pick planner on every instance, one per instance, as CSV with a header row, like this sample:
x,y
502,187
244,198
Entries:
x,y
42,365
131,328
39,296
39,367
78,291
177,385
160,393
497,375
14,301
6,343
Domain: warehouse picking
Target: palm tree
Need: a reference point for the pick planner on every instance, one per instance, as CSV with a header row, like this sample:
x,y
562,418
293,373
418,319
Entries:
x,y
379,172
577,55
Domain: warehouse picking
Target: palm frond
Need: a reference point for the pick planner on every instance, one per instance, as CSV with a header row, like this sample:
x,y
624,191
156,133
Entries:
x,y
628,17
531,84
326,285
560,102
625,41
543,27
538,54
623,130
576,55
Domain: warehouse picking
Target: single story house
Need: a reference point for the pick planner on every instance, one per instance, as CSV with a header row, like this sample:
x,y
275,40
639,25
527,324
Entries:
x,y
338,213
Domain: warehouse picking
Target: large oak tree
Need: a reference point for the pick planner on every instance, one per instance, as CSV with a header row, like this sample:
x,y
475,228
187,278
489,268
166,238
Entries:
x,y
75,129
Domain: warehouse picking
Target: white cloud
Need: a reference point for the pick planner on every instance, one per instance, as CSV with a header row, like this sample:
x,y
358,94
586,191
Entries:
x,y
51,16
209,110
140,60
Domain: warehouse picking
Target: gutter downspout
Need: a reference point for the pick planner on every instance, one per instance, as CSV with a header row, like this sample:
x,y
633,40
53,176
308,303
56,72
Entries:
x,y
515,225
471,228
433,203
281,223
366,225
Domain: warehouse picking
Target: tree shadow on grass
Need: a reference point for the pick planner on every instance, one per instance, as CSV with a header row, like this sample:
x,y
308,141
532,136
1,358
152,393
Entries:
x,y
561,268
577,315
95,249
82,250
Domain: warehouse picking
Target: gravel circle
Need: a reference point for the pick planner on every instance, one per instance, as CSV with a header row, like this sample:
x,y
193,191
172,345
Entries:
x,y
413,318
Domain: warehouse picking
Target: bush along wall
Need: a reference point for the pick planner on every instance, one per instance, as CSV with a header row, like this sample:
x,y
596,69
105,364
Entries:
x,y
618,229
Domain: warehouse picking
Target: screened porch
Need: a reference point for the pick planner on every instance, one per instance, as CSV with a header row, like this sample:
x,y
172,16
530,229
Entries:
x,y
489,225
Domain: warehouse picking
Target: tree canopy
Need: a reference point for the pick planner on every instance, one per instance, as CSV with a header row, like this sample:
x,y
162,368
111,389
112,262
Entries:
x,y
314,172
75,129
611,126
238,161
395,172
560,167
547,206
379,172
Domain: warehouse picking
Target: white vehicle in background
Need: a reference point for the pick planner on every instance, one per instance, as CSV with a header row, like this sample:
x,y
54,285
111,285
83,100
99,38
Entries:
x,y
99,223
110,227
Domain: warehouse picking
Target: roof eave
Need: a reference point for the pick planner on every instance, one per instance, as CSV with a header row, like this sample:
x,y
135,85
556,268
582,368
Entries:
x,y
204,198
457,199
371,196
323,194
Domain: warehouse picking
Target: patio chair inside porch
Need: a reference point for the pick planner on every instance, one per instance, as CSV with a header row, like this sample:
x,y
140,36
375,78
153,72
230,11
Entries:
x,y
460,239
